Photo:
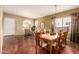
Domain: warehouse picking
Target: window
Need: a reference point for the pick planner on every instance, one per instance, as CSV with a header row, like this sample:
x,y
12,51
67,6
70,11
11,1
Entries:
x,y
58,22
66,21
63,22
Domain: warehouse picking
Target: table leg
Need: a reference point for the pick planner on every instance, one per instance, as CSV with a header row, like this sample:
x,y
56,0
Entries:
x,y
50,48
37,43
41,43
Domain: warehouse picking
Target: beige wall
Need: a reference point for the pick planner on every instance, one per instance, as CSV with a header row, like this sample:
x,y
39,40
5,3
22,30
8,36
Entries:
x,y
18,23
18,26
1,36
47,19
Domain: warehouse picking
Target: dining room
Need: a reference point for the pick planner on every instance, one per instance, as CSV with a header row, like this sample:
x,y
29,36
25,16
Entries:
x,y
40,29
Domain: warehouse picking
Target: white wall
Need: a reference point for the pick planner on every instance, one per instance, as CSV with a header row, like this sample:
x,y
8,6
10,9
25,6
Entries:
x,y
1,34
9,26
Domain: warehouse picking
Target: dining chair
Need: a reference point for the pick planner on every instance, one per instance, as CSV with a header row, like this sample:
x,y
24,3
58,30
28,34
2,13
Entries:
x,y
60,42
64,39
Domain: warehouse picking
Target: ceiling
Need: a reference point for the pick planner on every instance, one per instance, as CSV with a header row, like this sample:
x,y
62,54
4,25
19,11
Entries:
x,y
35,11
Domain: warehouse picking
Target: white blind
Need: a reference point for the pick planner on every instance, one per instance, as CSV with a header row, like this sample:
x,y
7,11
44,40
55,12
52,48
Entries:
x,y
9,26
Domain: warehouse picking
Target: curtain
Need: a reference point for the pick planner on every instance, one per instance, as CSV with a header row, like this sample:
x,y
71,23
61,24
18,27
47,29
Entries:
x,y
75,27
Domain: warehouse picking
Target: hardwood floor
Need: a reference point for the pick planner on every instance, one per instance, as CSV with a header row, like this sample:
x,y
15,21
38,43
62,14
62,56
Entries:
x,y
26,45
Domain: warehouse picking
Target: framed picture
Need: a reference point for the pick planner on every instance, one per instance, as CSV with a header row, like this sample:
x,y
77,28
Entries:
x,y
42,24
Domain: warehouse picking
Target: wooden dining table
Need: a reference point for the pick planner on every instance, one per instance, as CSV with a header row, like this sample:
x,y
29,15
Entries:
x,y
48,38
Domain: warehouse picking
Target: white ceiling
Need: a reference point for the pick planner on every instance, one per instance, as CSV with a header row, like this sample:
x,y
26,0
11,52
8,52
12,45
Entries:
x,y
35,11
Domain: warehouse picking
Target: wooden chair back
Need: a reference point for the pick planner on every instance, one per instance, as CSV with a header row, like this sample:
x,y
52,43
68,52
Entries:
x,y
62,40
